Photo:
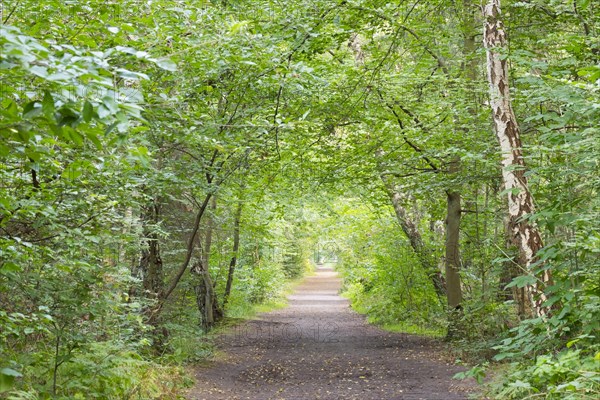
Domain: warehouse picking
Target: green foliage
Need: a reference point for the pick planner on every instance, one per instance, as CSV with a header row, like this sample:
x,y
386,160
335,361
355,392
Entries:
x,y
554,357
293,261
62,210
264,281
111,109
382,274
477,372
266,267
569,374
480,325
108,370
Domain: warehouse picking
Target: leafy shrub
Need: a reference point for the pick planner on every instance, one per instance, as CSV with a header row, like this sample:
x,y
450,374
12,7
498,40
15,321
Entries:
x,y
107,370
293,265
267,279
570,374
480,324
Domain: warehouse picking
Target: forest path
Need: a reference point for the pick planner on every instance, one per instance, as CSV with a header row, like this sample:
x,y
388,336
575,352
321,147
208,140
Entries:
x,y
318,348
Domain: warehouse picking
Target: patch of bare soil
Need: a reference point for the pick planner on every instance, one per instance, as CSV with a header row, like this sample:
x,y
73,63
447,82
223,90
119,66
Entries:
x,y
318,348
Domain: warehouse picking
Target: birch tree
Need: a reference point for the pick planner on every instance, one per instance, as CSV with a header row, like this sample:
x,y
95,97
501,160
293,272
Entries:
x,y
524,233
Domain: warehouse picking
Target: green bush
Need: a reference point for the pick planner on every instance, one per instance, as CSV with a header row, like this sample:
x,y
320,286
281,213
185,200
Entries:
x,y
572,374
105,370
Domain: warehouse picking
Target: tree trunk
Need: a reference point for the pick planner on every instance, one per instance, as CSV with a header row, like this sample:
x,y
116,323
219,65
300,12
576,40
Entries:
x,y
410,229
453,285
454,211
453,289
205,297
520,203
209,309
192,238
236,246
150,268
511,271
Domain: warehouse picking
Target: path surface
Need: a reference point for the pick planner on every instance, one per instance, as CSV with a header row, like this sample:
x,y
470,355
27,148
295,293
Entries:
x,y
318,348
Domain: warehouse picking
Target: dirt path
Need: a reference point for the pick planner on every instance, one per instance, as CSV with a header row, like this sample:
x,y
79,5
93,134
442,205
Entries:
x,y
318,348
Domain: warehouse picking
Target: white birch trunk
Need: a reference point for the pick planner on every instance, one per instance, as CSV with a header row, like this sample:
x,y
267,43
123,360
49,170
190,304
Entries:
x,y
520,202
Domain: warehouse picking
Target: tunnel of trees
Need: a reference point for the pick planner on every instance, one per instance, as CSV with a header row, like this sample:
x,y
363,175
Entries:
x,y
168,166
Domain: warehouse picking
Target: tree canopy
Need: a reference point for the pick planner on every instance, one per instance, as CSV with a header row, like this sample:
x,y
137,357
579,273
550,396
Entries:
x,y
170,165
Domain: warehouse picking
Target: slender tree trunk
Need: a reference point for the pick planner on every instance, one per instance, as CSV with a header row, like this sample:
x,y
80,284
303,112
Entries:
x,y
192,239
189,249
410,229
206,300
453,197
151,265
453,289
453,285
150,270
205,297
236,246
520,202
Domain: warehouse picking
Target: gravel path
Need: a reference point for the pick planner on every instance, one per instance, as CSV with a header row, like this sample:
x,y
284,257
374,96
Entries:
x,y
318,348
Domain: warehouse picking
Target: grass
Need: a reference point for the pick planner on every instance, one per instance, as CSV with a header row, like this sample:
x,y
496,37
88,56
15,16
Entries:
x,y
397,327
248,311
413,329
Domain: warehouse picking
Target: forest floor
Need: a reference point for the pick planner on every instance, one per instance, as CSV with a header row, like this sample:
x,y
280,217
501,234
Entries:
x,y
319,348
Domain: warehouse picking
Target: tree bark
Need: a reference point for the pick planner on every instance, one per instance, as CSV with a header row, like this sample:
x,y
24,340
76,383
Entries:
x,y
206,300
150,270
452,264
236,247
520,202
454,210
453,288
151,265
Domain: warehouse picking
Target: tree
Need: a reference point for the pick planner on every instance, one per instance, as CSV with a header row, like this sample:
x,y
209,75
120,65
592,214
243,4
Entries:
x,y
520,201
236,247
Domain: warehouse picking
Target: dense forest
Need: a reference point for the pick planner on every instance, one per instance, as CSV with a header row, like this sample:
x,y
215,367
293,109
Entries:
x,y
170,167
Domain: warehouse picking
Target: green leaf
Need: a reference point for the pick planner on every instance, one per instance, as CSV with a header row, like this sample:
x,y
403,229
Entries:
x,y
522,281
521,385
48,105
12,109
110,128
7,379
9,267
141,154
93,137
42,72
10,372
237,26
31,109
73,171
88,111
110,104
59,76
166,64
